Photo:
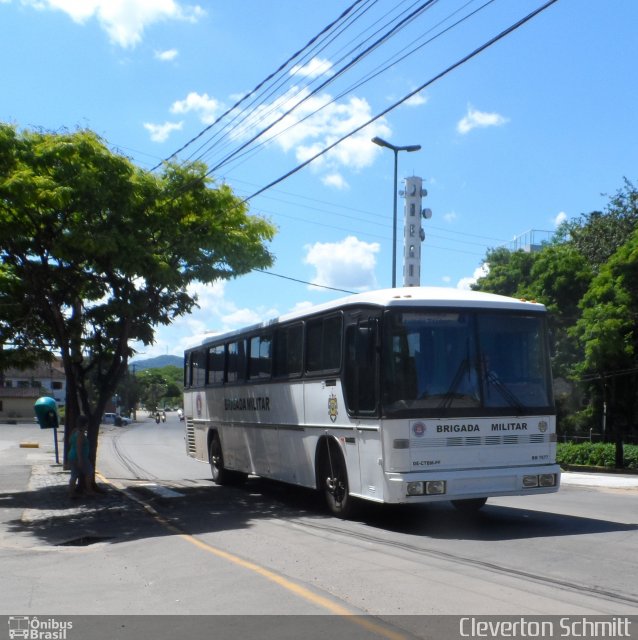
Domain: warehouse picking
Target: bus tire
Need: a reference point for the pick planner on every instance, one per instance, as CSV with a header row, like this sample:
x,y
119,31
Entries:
x,y
221,475
471,505
333,480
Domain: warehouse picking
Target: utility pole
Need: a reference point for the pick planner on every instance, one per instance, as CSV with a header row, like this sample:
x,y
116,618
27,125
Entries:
x,y
409,148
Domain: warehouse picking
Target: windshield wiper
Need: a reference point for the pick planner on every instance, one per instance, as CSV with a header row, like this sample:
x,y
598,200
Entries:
x,y
492,379
450,394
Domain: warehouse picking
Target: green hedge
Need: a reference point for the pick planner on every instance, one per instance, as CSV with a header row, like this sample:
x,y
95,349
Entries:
x,y
595,454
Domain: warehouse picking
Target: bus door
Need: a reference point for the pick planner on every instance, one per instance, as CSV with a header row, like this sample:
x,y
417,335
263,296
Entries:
x,y
361,381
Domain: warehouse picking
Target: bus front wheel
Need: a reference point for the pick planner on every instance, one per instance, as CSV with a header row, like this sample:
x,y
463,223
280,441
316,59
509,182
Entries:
x,y
333,481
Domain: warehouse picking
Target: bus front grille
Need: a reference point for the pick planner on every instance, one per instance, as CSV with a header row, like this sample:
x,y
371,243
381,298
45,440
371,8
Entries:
x,y
477,441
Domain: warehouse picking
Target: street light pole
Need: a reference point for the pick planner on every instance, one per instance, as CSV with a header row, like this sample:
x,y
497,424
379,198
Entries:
x,y
395,150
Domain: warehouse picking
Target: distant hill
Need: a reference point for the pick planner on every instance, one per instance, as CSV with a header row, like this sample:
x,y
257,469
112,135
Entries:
x,y
156,363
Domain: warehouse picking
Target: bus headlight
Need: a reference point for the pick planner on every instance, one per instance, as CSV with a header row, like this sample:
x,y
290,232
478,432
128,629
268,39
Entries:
x,y
435,487
542,480
529,482
547,480
415,489
428,488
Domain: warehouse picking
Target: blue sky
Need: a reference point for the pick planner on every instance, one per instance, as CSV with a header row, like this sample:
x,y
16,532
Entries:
x,y
540,127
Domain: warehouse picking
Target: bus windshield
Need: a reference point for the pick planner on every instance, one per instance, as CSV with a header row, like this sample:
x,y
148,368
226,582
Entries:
x,y
465,362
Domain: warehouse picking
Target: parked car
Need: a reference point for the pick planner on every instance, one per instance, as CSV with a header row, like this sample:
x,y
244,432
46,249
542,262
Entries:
x,y
117,420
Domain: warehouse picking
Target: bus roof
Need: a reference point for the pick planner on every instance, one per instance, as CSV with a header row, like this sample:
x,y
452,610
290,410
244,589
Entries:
x,y
401,297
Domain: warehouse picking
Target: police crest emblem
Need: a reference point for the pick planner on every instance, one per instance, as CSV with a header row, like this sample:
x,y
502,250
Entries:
x,y
332,407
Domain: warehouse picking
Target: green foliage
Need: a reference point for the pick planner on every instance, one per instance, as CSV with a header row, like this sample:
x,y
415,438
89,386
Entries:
x,y
509,272
95,253
588,279
598,235
608,326
161,386
595,454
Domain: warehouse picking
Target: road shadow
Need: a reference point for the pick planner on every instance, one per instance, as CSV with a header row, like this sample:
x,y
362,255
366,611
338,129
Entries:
x,y
48,516
491,523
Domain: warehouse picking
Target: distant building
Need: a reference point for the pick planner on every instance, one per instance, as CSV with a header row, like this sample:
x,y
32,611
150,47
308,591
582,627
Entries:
x,y
531,241
20,388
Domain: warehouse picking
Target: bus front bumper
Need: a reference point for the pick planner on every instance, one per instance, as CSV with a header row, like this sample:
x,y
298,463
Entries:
x,y
472,483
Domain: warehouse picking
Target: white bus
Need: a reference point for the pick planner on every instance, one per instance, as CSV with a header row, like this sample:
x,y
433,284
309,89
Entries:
x,y
397,396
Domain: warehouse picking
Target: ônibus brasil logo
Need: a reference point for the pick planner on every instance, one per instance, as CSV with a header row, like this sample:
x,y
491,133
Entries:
x,y
36,628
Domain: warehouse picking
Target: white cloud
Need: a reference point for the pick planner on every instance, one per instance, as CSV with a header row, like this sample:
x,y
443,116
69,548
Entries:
x,y
307,130
315,124
214,314
166,56
207,108
335,180
123,20
302,306
245,317
446,279
560,218
479,272
161,132
348,264
315,68
209,296
416,100
212,302
479,119
450,216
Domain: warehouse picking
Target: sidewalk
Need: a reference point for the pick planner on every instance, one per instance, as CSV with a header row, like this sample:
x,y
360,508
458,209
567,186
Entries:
x,y
35,506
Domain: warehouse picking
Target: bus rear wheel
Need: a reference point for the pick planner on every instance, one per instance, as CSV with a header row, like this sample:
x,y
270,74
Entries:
x,y
333,481
221,475
471,505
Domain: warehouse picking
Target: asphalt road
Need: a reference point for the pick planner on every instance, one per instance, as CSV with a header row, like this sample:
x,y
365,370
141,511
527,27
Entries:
x,y
271,548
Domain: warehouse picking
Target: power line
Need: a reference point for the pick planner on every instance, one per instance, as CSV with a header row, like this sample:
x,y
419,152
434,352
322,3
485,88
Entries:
x,y
312,284
379,70
442,74
298,90
259,101
261,84
382,217
423,7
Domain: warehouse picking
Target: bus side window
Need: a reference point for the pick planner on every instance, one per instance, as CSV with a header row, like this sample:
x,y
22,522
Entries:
x,y
198,368
187,370
323,344
260,362
236,361
288,350
216,358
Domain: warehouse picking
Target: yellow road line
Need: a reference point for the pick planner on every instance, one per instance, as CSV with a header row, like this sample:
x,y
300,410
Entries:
x,y
289,585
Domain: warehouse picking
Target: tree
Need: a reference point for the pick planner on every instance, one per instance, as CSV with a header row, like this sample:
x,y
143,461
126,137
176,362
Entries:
x,y
509,271
153,386
608,331
95,253
559,278
598,235
584,277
